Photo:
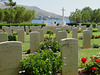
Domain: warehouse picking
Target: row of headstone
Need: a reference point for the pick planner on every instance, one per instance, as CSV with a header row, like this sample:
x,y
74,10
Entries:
x,y
13,50
11,29
35,28
69,51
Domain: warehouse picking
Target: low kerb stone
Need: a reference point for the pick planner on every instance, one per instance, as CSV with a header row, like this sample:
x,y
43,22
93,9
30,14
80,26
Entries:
x,y
61,35
74,33
3,37
34,41
69,53
10,56
86,39
21,35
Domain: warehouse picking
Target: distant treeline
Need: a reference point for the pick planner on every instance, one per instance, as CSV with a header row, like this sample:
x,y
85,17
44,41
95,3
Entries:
x,y
85,15
16,15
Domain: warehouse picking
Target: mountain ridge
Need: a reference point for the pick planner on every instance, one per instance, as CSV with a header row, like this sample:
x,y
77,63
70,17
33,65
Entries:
x,y
40,14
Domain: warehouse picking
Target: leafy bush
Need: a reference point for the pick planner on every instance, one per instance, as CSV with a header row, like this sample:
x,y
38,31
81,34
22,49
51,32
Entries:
x,y
96,36
76,24
92,67
88,24
95,46
30,30
92,36
80,37
47,38
95,30
53,45
67,30
58,24
42,46
11,38
49,32
14,33
79,31
41,63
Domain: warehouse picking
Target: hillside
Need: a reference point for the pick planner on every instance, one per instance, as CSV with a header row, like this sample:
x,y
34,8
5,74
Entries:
x,y
40,14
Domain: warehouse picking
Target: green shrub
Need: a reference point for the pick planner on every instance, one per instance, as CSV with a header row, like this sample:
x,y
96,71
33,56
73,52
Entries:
x,y
92,36
11,38
30,30
14,33
58,24
47,38
41,63
42,47
88,24
71,24
95,46
49,32
80,37
95,30
53,45
67,30
79,31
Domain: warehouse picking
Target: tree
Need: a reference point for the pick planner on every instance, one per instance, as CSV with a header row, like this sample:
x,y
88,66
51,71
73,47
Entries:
x,y
1,14
29,15
76,16
11,3
87,13
19,16
96,16
9,15
84,15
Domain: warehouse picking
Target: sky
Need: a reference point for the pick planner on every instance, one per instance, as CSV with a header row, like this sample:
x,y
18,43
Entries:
x,y
55,6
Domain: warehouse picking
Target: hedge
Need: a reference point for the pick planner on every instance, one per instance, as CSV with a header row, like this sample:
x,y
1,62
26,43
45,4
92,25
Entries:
x,y
87,24
22,24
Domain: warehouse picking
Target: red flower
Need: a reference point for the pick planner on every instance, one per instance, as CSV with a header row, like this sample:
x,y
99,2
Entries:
x,y
91,57
97,60
83,60
27,33
93,68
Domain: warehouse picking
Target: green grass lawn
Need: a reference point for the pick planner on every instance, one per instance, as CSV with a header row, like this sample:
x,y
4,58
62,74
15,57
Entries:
x,y
82,52
69,35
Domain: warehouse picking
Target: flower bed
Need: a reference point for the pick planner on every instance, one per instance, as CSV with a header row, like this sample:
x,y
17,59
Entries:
x,y
92,67
95,36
